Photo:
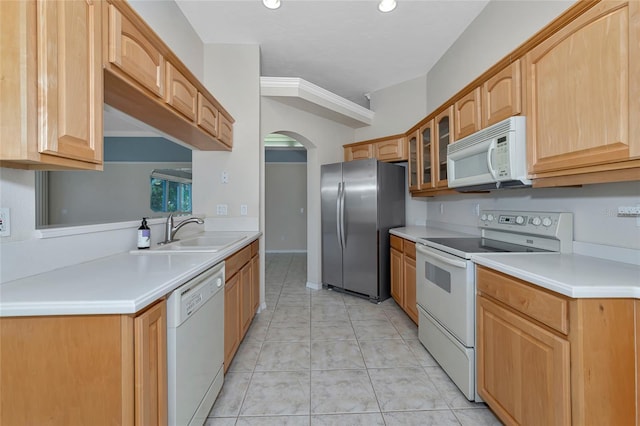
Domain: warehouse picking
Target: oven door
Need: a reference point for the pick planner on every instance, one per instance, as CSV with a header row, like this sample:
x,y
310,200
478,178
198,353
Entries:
x,y
446,290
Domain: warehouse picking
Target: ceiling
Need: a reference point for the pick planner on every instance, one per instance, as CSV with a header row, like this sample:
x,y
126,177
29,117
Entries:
x,y
347,47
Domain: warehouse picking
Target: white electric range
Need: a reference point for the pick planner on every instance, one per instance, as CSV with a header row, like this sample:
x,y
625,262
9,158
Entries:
x,y
446,285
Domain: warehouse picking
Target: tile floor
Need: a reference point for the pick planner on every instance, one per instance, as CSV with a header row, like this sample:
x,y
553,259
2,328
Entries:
x,y
325,358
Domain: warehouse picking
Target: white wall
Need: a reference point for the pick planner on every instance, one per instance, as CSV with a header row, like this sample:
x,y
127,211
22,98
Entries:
x,y
397,108
232,72
499,29
285,188
323,139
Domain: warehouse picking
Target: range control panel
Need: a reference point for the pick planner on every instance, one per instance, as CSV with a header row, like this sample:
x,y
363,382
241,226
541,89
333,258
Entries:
x,y
549,224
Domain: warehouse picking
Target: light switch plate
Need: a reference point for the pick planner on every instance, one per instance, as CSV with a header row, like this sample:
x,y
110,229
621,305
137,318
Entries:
x,y
5,222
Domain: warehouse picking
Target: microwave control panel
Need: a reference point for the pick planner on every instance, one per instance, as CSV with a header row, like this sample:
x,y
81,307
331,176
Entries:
x,y
502,162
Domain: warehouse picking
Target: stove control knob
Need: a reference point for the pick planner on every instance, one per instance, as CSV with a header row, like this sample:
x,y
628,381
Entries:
x,y
484,216
536,221
519,220
490,217
547,222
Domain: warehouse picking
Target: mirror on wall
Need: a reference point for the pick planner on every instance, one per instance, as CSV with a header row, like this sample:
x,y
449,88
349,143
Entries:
x,y
145,175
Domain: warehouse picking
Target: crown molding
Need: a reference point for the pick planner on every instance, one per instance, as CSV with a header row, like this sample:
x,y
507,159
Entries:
x,y
306,96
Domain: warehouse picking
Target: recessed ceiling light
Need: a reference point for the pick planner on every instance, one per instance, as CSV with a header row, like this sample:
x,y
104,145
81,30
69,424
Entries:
x,y
271,4
386,5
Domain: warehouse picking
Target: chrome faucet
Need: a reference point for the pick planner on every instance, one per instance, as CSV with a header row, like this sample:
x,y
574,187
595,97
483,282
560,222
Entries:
x,y
170,230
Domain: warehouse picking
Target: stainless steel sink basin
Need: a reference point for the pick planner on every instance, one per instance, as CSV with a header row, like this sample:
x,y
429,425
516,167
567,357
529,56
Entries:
x,y
200,244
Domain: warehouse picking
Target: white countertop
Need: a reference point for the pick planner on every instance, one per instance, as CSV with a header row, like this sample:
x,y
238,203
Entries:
x,y
412,233
119,284
573,275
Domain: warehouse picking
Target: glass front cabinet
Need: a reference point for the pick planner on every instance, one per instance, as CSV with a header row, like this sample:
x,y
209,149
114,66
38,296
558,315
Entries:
x,y
428,175
443,137
414,161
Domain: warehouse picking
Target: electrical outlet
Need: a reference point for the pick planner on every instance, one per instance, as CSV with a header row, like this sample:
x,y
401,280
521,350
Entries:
x,y
243,210
5,222
224,177
221,210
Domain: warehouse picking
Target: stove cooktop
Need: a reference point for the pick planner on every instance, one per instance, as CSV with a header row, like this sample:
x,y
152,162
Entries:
x,y
479,245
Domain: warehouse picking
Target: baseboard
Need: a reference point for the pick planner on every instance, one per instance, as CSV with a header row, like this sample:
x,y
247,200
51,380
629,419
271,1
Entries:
x,y
285,251
314,286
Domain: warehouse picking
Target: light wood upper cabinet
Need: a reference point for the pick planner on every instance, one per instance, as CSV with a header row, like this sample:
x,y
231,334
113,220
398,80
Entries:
x,y
467,114
415,162
181,94
51,94
358,152
583,94
443,137
225,130
502,95
207,116
392,148
427,152
131,51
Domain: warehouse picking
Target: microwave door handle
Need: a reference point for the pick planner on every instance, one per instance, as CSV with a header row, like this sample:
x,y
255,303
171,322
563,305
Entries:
x,y
492,148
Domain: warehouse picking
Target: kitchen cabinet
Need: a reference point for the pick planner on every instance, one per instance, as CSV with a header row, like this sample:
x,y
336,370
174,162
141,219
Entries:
x,y
583,98
467,114
242,274
543,358
425,137
392,148
51,94
414,164
443,137
502,95
145,79
110,369
403,275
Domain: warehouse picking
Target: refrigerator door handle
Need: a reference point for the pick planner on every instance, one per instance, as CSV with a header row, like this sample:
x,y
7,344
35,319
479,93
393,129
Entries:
x,y
338,214
343,242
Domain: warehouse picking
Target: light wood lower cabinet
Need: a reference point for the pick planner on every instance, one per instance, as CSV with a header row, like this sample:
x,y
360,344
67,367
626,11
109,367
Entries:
x,y
84,369
242,291
543,358
403,275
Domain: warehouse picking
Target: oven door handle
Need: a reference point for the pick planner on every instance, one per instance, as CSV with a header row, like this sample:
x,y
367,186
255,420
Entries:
x,y
429,253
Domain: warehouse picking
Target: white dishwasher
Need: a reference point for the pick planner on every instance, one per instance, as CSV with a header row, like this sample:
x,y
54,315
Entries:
x,y
195,347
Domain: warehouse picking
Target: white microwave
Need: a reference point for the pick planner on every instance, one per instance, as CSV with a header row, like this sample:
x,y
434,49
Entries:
x,y
493,158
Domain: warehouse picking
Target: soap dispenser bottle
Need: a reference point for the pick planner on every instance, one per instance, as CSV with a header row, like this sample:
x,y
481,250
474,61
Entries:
x,y
144,235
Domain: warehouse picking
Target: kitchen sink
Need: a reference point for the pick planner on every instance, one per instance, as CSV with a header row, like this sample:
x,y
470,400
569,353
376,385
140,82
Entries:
x,y
211,243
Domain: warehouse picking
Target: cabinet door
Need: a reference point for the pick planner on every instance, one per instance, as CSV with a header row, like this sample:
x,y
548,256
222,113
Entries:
x,y
397,281
231,319
207,116
502,95
360,152
414,165
69,41
182,95
225,130
133,53
255,283
410,302
523,370
443,137
246,305
583,90
391,150
467,114
150,329
427,177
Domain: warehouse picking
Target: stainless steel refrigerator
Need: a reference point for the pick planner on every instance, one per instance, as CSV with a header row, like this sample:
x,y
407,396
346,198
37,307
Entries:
x,y
360,201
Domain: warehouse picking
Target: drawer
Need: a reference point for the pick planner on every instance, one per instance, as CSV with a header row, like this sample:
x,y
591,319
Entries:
x,y
236,261
396,242
410,249
549,308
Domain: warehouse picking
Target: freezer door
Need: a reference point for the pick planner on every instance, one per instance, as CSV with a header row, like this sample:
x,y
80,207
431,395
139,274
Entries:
x,y
330,183
360,257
